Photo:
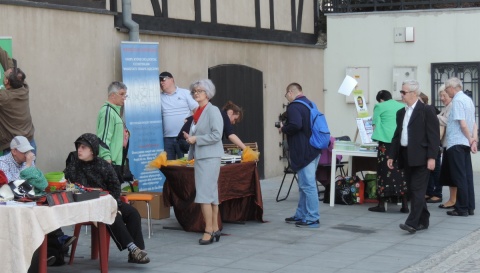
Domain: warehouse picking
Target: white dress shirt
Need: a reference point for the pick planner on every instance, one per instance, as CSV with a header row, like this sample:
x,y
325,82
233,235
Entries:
x,y
406,120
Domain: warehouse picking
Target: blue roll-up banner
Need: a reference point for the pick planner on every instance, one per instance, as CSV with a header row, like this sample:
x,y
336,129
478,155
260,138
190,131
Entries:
x,y
143,113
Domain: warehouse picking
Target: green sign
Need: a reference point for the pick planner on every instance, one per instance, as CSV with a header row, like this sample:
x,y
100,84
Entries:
x,y
6,44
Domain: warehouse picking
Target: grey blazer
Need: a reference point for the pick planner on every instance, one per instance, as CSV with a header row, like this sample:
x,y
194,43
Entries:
x,y
208,131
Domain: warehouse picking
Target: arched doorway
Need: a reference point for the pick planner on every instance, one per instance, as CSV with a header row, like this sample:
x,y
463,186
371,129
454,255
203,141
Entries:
x,y
242,85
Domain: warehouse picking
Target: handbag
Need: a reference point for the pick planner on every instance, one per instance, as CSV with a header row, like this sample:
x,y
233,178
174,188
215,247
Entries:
x,y
343,193
59,198
21,189
6,192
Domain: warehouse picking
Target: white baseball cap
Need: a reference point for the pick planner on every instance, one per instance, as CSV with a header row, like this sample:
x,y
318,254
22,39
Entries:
x,y
21,143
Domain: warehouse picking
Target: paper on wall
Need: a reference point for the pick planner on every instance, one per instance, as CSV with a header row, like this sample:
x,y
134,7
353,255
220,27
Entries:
x,y
347,86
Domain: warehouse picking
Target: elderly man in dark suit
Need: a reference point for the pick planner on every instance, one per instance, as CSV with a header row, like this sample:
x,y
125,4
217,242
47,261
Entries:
x,y
415,145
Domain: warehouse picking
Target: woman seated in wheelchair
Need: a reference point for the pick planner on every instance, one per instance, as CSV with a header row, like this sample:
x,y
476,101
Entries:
x,y
92,171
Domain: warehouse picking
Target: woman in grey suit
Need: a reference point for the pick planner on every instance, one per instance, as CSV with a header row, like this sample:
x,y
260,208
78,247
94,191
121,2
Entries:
x,y
205,139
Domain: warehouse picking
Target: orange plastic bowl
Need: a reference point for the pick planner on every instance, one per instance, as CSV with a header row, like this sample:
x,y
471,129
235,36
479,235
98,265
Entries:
x,y
59,186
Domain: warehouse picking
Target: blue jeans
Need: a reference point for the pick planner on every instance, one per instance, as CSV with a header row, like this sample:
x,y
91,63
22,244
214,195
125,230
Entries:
x,y
170,146
308,209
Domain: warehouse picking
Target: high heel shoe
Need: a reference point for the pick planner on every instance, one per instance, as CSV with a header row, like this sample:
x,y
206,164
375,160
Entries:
x,y
206,242
217,235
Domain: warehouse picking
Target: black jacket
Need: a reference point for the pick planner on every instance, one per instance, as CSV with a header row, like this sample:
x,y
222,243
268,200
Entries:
x,y
298,131
423,136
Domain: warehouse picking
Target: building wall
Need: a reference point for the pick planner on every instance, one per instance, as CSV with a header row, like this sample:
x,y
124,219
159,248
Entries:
x,y
71,57
367,40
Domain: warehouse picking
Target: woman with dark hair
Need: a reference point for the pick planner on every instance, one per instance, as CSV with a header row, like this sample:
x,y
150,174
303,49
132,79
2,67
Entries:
x,y
89,170
231,115
390,182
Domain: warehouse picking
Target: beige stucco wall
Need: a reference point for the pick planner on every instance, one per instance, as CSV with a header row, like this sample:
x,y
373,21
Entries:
x,y
367,40
70,64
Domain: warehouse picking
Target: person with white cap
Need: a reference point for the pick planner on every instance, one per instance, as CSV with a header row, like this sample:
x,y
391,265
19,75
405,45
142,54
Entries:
x,y
20,164
21,156
177,105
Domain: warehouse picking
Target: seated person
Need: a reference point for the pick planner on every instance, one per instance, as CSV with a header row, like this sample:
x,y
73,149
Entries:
x,y
20,164
92,171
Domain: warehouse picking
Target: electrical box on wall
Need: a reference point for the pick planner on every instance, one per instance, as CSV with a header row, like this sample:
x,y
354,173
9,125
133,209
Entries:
x,y
400,74
404,34
360,74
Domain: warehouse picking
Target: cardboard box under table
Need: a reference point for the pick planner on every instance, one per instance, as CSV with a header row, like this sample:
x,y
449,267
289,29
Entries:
x,y
159,210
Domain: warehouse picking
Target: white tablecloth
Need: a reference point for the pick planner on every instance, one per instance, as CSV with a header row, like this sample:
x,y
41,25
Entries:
x,y
22,229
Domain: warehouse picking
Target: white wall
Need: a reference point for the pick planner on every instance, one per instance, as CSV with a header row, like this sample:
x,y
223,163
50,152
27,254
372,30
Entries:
x,y
367,40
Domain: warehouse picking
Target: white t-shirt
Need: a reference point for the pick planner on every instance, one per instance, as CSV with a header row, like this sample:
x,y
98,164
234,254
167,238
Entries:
x,y
175,108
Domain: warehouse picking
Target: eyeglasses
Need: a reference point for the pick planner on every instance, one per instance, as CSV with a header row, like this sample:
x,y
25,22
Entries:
x,y
405,92
162,79
197,92
123,96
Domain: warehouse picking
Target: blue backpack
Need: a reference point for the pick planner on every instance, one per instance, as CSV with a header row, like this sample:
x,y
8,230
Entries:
x,y
320,137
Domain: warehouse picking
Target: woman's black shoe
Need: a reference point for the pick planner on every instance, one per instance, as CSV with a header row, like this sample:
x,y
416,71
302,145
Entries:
x,y
217,235
206,242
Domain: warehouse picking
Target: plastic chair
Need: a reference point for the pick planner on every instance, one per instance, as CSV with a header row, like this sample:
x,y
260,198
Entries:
x,y
96,238
147,198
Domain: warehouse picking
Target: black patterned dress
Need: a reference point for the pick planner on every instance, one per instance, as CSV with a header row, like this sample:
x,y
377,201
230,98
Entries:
x,y
390,182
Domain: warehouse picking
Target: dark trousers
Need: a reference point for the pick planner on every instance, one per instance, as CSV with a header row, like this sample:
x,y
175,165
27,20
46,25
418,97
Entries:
x,y
172,148
461,173
434,186
417,182
127,228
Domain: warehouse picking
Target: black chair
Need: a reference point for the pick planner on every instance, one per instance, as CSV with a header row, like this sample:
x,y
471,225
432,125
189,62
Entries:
x,y
286,170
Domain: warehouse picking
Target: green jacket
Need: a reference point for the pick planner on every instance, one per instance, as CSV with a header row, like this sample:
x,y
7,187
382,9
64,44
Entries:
x,y
110,130
384,119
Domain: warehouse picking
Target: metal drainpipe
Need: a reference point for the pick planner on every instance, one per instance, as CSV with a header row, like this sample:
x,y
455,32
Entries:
x,y
128,22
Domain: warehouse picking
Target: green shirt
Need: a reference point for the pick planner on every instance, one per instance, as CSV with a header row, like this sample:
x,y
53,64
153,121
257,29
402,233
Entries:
x,y
110,130
384,119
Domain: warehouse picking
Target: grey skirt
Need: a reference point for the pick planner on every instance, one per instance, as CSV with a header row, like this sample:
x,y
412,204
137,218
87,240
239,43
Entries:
x,y
207,171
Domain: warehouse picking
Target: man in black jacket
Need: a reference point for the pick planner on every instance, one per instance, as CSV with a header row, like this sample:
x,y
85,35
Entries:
x,y
303,158
415,145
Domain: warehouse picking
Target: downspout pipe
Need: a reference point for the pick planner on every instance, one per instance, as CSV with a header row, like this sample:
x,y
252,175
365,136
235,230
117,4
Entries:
x,y
134,29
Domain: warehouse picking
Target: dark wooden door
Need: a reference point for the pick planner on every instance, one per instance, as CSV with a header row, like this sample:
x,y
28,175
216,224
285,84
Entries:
x,y
242,85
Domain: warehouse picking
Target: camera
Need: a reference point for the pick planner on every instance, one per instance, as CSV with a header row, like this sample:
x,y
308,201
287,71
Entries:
x,y
281,118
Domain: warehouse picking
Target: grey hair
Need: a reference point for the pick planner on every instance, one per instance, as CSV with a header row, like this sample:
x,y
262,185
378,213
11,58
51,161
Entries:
x,y
114,87
441,89
454,82
413,86
207,85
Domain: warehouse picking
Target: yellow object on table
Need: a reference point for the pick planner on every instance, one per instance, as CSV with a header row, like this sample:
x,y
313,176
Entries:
x,y
161,160
249,155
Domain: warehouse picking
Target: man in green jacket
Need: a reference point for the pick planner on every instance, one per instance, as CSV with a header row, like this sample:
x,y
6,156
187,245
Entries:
x,y
110,126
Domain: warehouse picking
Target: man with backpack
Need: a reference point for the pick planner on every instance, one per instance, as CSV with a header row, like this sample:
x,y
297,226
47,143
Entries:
x,y
303,156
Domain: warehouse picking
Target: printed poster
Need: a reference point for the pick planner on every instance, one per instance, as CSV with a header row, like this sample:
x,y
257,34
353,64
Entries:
x,y
143,114
360,103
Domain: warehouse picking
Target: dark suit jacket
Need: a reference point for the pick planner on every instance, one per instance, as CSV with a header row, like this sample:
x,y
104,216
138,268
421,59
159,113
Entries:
x,y
423,136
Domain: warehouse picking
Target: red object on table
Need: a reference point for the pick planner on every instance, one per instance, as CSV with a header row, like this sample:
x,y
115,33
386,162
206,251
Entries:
x,y
239,193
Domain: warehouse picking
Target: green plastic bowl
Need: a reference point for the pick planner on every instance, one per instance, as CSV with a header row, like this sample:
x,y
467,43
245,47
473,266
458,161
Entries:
x,y
54,176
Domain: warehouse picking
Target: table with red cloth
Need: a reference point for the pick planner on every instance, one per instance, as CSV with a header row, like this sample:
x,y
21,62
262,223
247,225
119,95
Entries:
x,y
239,194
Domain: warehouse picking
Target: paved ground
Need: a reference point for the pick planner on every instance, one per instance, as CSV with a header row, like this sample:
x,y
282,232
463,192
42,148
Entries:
x,y
350,239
